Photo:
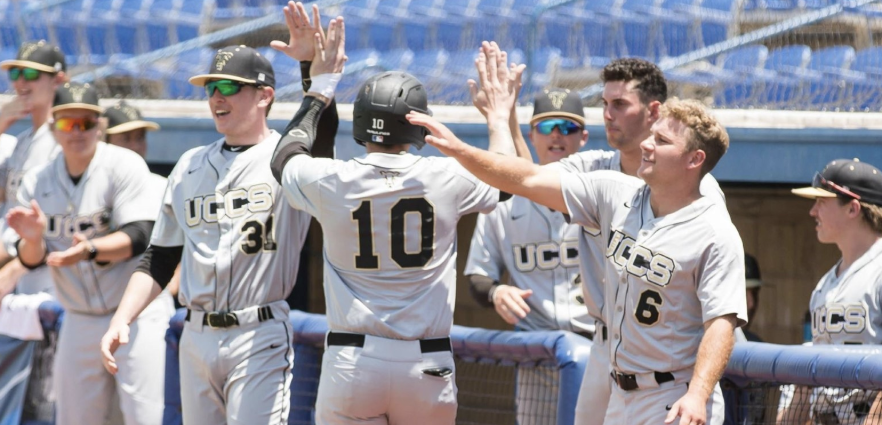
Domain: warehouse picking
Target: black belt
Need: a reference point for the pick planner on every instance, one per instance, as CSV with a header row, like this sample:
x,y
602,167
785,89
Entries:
x,y
357,340
220,319
628,381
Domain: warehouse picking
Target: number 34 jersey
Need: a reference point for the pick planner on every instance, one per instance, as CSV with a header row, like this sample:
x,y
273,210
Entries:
x,y
668,275
241,242
389,223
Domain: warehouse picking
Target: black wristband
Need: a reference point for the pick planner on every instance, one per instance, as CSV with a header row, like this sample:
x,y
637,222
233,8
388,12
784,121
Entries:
x,y
93,252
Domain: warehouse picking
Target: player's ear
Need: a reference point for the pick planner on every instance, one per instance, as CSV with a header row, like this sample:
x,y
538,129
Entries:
x,y
654,110
584,139
267,94
696,158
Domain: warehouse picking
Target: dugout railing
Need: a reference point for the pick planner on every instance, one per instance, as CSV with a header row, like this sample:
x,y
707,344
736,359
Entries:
x,y
840,384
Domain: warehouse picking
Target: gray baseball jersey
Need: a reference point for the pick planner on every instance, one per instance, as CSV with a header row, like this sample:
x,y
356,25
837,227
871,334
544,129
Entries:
x,y
390,237
672,273
114,191
539,249
32,150
847,308
226,214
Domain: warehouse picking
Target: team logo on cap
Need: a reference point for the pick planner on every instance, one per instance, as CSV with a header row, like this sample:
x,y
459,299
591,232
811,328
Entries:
x,y
77,92
29,49
557,98
221,60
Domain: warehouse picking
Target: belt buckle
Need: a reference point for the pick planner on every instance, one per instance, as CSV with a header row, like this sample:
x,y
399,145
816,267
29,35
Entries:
x,y
217,320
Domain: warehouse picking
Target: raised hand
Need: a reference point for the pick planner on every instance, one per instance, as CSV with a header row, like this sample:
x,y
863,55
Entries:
x,y
29,223
330,52
509,303
13,111
441,137
500,82
301,32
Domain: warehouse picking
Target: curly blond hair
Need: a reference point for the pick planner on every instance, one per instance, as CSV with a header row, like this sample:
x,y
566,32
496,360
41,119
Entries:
x,y
704,131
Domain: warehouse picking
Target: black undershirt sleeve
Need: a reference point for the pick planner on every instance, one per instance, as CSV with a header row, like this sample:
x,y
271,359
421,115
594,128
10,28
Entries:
x,y
328,123
299,135
504,196
160,262
139,232
31,266
479,287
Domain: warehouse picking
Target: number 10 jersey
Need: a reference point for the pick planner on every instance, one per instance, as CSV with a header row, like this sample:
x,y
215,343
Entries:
x,y
389,223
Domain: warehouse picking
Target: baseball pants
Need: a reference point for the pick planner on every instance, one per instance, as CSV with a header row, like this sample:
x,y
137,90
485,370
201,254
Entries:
x,y
386,381
85,390
651,405
596,385
237,375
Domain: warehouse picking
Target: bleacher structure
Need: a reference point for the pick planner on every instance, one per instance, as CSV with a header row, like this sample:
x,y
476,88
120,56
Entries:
x,y
831,63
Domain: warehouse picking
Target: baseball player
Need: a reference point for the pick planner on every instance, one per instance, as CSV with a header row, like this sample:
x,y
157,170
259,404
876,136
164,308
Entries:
x,y
220,218
675,255
87,215
390,259
846,306
539,250
37,70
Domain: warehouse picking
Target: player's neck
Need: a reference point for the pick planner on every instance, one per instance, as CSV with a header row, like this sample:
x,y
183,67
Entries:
x,y
854,243
667,199
40,116
630,161
251,136
390,149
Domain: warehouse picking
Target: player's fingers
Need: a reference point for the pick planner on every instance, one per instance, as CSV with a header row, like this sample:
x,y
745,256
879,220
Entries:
x,y
341,39
124,336
303,15
278,45
473,91
492,71
673,413
36,207
481,65
505,314
514,304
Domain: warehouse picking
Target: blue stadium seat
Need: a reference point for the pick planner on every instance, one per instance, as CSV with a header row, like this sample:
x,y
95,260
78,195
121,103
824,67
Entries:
x,y
9,34
397,59
637,38
782,89
866,93
97,37
128,38
818,4
428,62
67,38
415,34
781,4
382,35
131,7
449,35
716,17
678,26
185,31
157,35
827,75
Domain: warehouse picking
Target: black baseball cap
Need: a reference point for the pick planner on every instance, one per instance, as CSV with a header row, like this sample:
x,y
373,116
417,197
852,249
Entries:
x,y
76,96
846,177
238,63
559,103
123,117
40,55
751,272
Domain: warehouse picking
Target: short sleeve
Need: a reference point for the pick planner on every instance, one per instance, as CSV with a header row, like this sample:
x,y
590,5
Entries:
x,y
298,179
167,230
132,200
721,281
475,195
580,195
485,256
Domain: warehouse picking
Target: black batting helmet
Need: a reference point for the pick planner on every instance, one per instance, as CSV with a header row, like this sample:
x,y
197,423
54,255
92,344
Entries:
x,y
380,109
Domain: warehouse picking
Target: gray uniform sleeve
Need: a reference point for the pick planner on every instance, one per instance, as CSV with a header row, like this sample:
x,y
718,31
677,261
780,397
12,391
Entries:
x,y
475,196
167,231
485,257
298,178
581,197
721,279
133,199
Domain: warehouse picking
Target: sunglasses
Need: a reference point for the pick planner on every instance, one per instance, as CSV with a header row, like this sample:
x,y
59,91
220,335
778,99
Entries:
x,y
821,183
29,74
225,87
68,124
565,127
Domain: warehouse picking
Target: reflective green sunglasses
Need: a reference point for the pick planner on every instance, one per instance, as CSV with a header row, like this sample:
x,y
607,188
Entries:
x,y
30,74
225,87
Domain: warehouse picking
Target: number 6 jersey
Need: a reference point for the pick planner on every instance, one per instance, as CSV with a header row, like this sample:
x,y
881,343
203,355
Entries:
x,y
241,242
389,223
665,276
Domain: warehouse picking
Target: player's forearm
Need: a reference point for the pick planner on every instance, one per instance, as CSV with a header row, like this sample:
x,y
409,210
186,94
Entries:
x,y
140,292
516,176
713,355
299,135
520,144
5,258
9,276
501,137
116,246
797,411
480,287
31,253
